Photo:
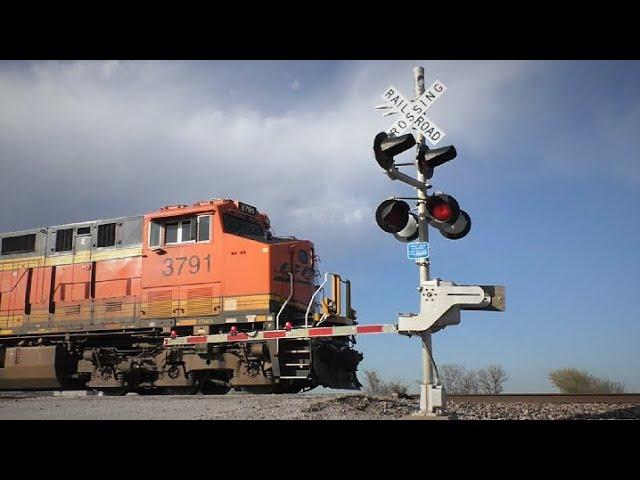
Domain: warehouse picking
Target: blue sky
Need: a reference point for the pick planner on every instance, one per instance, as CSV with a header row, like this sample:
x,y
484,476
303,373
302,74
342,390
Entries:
x,y
547,168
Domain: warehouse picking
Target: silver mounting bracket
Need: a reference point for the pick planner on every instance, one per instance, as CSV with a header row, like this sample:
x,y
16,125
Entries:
x,y
394,174
441,302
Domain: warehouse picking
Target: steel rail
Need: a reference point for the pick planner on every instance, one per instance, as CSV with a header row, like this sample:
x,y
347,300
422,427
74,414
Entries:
x,y
545,398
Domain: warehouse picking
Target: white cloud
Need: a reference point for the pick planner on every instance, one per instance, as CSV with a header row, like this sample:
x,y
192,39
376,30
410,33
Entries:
x,y
117,138
295,85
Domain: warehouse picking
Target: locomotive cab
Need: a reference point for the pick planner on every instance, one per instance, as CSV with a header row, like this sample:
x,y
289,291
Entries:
x,y
217,263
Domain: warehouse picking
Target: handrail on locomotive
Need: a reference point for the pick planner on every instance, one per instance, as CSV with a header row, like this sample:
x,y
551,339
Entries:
x,y
332,307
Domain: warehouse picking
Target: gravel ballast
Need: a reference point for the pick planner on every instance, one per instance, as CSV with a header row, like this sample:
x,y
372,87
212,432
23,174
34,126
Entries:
x,y
285,407
544,411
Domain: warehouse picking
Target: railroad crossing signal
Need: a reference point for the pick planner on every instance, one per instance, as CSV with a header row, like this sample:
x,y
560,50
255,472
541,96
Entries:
x,y
442,210
440,301
413,112
445,215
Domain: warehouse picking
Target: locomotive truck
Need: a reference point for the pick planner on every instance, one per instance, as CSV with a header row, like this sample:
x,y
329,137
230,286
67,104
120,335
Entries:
x,y
90,305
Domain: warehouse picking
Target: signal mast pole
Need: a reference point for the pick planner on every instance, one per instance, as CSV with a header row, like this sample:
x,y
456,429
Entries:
x,y
440,301
426,403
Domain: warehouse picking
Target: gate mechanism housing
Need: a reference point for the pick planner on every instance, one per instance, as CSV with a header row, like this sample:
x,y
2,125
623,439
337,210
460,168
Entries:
x,y
441,302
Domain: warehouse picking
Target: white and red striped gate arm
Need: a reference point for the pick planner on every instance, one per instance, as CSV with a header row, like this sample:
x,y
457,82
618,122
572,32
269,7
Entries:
x,y
313,332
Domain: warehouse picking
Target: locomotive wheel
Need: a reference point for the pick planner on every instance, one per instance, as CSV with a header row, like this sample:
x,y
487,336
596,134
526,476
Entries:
x,y
187,390
194,388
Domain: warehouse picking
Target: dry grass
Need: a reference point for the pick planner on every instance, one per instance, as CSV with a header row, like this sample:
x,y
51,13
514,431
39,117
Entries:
x,y
457,380
374,385
572,381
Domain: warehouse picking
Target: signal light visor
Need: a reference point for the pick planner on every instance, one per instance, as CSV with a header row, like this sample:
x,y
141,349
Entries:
x,y
392,215
410,232
386,147
459,229
428,159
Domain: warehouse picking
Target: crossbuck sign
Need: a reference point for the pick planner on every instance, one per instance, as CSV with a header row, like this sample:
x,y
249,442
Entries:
x,y
413,113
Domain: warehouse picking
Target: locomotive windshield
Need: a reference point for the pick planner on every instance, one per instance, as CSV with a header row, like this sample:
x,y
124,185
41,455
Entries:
x,y
242,227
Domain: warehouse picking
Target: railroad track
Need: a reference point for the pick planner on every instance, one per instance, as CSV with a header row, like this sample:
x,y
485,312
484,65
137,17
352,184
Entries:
x,y
621,398
545,398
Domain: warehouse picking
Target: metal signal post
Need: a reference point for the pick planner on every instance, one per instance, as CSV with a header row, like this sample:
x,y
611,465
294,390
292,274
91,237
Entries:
x,y
426,389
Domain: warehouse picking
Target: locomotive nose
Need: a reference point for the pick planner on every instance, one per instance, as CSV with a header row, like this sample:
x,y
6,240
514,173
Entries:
x,y
293,271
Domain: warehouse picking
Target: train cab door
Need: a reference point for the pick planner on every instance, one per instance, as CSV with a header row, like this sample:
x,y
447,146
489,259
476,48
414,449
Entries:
x,y
179,279
81,287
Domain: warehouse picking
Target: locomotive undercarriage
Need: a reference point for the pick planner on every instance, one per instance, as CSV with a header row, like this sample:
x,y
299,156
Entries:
x,y
118,363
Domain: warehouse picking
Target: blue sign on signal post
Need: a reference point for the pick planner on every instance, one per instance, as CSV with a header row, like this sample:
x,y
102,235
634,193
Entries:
x,y
417,250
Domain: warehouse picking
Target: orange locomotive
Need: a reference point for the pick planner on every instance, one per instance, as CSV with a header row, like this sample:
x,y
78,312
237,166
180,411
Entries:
x,y
88,305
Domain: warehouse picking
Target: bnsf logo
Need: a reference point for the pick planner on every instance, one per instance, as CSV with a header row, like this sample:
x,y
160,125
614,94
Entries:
x,y
297,269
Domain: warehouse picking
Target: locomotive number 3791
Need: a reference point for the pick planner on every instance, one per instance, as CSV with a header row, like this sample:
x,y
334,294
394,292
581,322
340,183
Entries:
x,y
180,265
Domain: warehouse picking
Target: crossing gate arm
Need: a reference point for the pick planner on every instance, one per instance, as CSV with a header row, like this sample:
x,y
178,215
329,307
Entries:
x,y
261,336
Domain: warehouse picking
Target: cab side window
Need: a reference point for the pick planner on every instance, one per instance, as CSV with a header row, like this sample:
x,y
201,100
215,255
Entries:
x,y
184,230
204,228
154,234
171,232
181,231
188,230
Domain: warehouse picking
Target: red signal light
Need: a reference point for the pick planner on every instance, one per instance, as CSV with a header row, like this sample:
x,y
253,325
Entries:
x,y
445,215
442,212
442,208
